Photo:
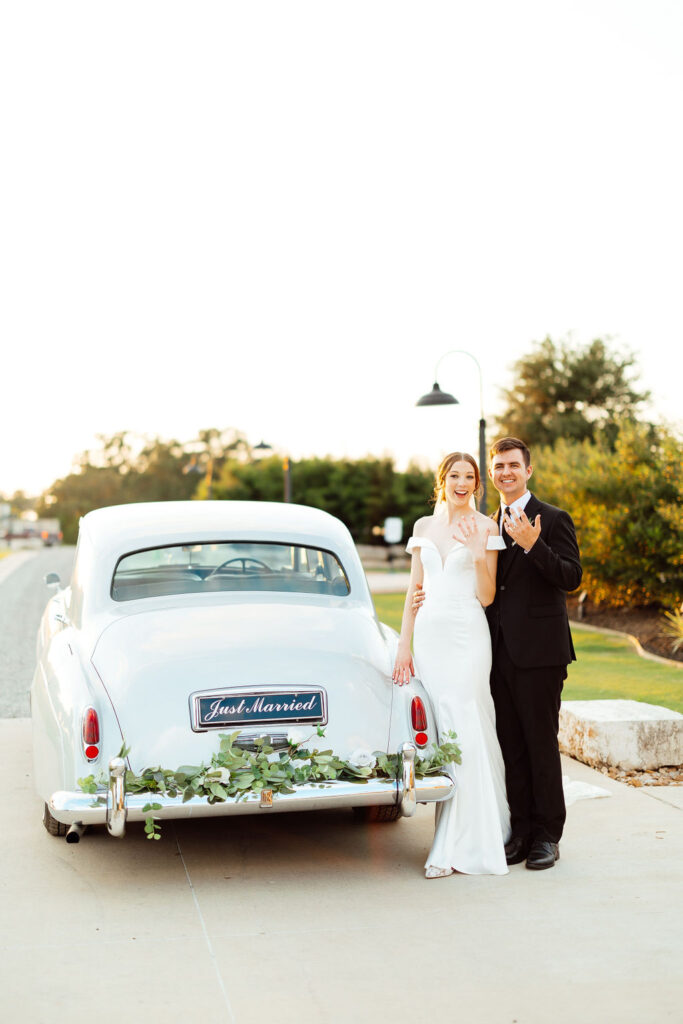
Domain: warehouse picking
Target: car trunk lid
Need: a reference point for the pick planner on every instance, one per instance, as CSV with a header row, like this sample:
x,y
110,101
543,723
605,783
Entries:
x,y
154,663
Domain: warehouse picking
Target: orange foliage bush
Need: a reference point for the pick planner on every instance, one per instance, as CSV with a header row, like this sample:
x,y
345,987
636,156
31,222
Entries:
x,y
627,504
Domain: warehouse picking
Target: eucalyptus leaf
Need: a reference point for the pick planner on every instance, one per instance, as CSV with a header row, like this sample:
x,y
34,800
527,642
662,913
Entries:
x,y
251,771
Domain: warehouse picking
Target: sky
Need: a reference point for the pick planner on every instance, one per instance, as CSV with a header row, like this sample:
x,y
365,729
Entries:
x,y
279,216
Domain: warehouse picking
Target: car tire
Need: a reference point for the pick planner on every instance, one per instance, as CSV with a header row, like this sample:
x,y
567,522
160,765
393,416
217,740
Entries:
x,y
54,827
378,813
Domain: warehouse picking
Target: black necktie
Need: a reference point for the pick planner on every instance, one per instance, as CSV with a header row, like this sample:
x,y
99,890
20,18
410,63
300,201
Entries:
x,y
506,536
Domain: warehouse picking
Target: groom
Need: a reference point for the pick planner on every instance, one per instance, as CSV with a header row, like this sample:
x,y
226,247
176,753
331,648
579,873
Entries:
x,y
532,646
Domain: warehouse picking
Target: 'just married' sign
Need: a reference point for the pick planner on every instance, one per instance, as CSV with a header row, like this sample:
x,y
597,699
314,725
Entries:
x,y
241,709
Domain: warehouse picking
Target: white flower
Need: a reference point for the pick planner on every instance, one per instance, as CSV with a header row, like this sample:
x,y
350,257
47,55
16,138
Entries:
x,y
298,735
223,775
362,759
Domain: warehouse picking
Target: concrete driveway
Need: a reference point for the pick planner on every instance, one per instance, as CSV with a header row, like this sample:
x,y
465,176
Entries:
x,y
314,917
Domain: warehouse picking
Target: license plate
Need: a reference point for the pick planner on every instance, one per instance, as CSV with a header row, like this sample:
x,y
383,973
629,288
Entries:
x,y
274,707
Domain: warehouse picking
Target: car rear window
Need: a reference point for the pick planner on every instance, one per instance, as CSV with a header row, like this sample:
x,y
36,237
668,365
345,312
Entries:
x,y
219,567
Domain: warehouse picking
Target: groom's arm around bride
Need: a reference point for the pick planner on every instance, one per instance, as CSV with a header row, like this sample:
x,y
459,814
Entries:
x,y
531,648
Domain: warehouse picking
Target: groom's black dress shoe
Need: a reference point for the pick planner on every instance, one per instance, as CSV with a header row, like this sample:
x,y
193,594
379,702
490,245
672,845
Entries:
x,y
542,855
517,849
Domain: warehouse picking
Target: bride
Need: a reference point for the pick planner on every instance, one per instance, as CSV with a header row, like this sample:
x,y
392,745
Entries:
x,y
454,555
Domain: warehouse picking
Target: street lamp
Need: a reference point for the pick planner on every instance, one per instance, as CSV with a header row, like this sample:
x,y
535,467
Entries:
x,y
262,447
438,397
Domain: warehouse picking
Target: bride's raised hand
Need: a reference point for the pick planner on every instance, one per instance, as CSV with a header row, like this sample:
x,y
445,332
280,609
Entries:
x,y
404,669
471,536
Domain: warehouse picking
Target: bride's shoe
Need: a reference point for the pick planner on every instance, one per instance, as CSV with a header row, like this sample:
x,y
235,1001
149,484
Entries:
x,y
432,872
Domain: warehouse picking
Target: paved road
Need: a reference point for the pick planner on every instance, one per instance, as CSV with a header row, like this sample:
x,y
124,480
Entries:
x,y
23,596
316,918
388,582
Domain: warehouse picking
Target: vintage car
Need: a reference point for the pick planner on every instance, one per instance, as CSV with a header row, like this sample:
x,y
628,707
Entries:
x,y
186,621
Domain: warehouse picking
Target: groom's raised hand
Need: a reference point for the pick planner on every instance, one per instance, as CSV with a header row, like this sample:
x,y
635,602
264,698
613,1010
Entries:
x,y
522,531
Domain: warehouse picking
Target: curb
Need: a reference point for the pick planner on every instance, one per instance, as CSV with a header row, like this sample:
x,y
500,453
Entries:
x,y
628,636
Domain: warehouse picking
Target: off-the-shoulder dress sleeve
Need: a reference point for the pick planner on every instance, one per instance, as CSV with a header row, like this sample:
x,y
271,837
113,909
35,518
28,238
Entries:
x,y
495,542
416,542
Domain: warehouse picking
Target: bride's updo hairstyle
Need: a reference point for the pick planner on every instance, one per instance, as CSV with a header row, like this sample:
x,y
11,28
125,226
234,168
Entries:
x,y
444,469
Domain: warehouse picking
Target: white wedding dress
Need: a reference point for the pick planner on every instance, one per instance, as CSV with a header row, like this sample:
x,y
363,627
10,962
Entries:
x,y
453,660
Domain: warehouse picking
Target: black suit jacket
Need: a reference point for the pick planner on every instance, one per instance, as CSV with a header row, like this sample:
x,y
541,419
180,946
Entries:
x,y
530,607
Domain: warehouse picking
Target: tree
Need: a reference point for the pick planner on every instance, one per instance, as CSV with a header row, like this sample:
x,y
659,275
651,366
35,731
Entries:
x,y
219,464
21,502
576,392
626,504
362,493
411,495
114,474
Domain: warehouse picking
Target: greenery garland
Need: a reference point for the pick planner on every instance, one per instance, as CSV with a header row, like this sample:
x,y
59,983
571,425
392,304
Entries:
x,y
235,773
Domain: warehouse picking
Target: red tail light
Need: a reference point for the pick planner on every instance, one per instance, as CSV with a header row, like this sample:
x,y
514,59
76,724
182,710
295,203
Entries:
x,y
91,734
418,717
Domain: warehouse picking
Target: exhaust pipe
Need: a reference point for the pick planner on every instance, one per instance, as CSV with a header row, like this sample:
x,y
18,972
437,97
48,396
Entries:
x,y
75,832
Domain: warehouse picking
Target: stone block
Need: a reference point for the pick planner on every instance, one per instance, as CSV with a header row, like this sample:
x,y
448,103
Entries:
x,y
625,734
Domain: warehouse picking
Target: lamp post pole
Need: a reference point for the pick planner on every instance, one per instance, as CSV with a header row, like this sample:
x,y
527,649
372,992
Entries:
x,y
288,479
263,447
438,397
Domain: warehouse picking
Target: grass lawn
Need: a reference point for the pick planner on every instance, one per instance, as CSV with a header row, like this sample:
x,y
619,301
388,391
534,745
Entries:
x,y
607,667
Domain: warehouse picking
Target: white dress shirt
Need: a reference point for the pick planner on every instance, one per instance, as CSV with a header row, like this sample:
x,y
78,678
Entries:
x,y
518,504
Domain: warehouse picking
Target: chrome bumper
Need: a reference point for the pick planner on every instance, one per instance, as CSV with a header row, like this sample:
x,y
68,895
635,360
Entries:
x,y
120,807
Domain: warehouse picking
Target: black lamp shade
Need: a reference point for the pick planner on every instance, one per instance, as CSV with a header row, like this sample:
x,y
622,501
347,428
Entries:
x,y
437,397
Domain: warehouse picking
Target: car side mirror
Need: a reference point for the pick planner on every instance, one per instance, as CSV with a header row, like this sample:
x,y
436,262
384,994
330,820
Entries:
x,y
53,579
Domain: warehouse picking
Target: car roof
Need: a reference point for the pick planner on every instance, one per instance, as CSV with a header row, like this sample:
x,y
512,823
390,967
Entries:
x,y
120,528
106,534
